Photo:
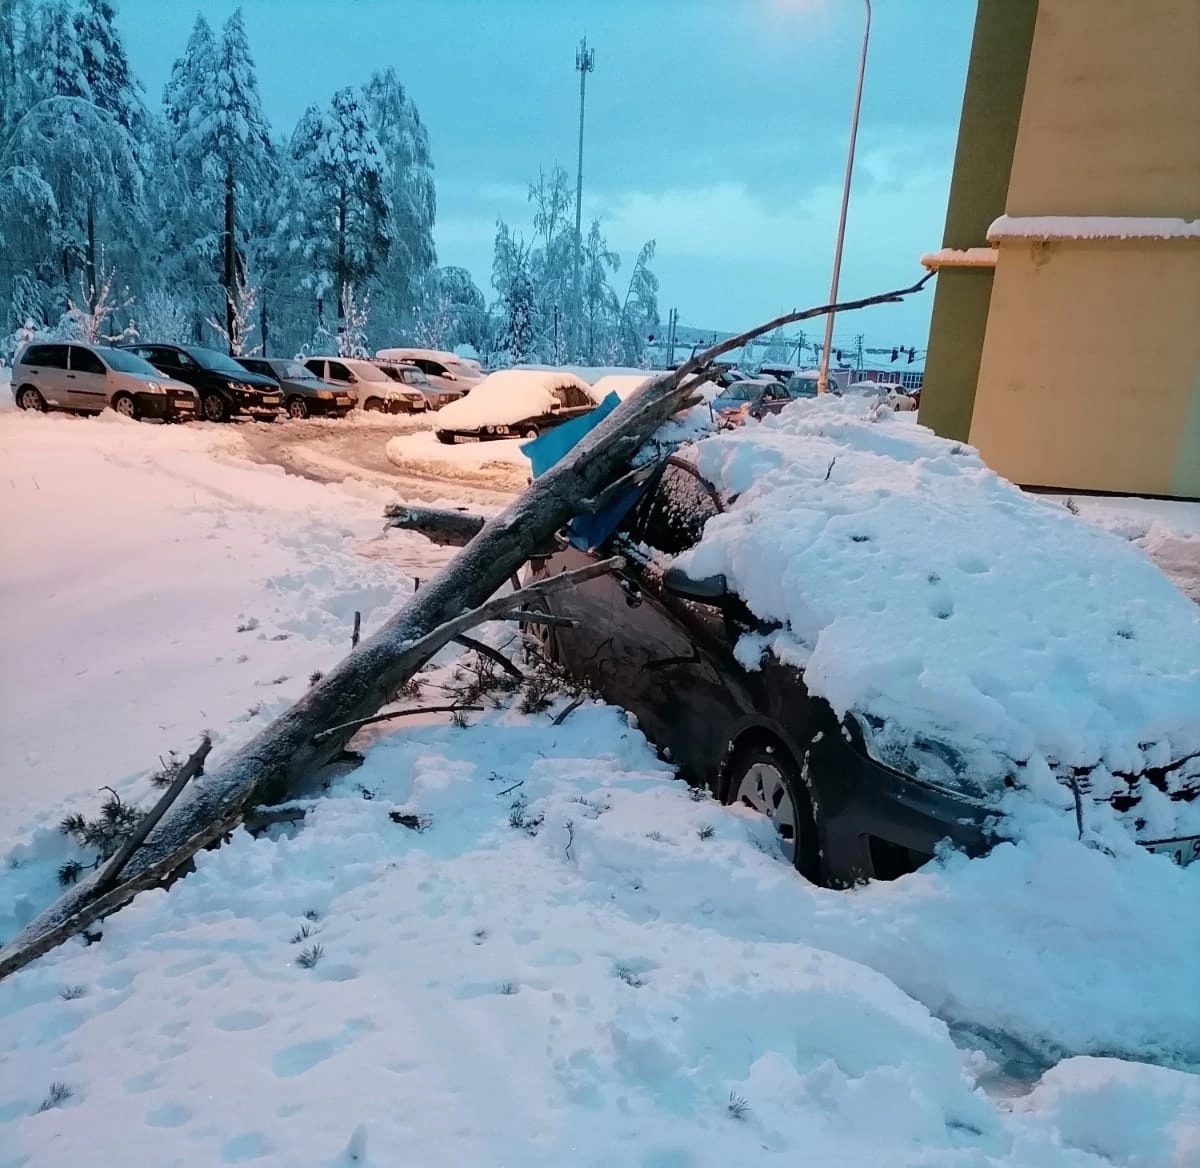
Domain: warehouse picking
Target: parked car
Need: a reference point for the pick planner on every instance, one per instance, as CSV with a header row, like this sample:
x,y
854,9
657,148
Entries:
x,y
446,371
371,388
86,378
662,644
749,399
224,388
413,378
891,393
303,392
514,403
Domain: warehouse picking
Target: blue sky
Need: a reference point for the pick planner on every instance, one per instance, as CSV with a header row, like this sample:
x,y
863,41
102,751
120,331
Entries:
x,y
717,127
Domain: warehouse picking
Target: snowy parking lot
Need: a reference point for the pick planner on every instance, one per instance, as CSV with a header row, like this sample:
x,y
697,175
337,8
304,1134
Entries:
x,y
573,959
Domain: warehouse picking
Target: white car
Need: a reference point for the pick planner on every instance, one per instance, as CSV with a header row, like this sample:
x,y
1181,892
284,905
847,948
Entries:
x,y
447,373
371,388
894,395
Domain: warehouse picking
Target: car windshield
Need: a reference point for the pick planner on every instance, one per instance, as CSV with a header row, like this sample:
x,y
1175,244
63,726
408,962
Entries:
x,y
293,371
124,362
802,387
743,391
214,362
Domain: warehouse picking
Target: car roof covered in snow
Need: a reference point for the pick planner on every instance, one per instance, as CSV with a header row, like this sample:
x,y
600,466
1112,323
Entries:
x,y
509,396
912,583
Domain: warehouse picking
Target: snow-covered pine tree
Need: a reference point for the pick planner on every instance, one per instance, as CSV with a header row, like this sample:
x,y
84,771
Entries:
x,y
412,202
223,141
344,177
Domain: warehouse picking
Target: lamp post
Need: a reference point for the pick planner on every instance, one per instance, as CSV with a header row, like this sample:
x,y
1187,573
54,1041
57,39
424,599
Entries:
x,y
823,372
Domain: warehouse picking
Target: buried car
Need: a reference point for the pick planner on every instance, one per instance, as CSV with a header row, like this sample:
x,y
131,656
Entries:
x,y
851,626
515,403
752,398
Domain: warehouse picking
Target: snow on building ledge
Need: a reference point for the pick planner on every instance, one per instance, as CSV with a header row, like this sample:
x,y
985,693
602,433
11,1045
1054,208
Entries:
x,y
1044,228
953,257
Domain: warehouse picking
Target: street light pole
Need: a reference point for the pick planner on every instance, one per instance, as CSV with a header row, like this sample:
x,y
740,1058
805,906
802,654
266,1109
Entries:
x,y
585,62
823,373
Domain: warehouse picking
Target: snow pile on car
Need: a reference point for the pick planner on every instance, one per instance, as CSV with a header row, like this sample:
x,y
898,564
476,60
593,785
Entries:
x,y
622,384
506,397
916,586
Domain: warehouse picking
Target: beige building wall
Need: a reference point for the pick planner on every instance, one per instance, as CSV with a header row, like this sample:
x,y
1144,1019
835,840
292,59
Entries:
x,y
1090,370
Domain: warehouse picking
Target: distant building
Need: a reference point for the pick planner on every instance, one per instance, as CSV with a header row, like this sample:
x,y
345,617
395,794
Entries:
x,y
1065,340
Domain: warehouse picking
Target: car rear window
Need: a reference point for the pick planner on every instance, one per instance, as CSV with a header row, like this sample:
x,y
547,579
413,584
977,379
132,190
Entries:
x,y
51,356
675,515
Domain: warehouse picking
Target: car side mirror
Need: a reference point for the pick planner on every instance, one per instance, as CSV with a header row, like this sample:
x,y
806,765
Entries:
x,y
707,590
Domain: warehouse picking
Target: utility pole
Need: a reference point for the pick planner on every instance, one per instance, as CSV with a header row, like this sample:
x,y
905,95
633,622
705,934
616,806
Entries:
x,y
585,63
823,372
672,321
858,350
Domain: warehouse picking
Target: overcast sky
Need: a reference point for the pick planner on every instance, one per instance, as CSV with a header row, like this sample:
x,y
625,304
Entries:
x,y
716,127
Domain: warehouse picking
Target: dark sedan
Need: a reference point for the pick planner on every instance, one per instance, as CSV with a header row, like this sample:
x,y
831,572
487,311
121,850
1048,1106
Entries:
x,y
662,645
224,388
304,393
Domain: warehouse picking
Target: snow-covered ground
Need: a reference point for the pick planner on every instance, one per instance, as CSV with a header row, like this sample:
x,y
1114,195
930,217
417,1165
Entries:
x,y
575,962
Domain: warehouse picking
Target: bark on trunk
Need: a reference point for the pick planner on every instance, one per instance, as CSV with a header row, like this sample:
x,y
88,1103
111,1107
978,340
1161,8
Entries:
x,y
315,731
90,259
230,273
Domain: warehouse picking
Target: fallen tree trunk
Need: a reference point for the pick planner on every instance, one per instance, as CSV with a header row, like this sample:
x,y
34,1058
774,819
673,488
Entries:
x,y
448,528
294,746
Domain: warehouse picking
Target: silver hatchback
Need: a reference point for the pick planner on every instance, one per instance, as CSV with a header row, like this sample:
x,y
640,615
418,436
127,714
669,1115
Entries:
x,y
86,379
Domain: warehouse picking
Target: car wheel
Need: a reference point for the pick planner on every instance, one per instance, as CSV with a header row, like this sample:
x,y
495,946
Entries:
x,y
30,399
765,780
124,405
529,433
374,405
214,408
446,437
540,641
297,407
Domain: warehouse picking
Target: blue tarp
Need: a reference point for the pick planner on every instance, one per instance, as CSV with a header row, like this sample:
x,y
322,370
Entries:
x,y
584,531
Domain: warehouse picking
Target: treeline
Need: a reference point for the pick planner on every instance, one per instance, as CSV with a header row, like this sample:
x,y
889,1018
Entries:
x,y
194,220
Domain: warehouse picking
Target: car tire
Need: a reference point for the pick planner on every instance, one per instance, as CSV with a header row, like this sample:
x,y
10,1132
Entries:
x,y
124,405
28,398
764,778
297,407
374,405
214,408
529,433
540,642
446,437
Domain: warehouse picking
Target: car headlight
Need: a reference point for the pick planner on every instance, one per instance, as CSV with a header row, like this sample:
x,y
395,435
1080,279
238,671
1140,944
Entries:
x,y
325,394
929,760
154,387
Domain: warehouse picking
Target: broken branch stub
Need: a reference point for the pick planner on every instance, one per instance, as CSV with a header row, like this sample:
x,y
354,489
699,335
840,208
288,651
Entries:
x,y
288,751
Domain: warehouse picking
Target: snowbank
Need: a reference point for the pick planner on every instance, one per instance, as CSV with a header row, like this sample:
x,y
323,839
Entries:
x,y
914,584
622,384
506,397
499,466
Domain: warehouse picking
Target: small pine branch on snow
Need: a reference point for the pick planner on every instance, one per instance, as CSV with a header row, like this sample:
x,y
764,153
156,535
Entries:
x,y
311,914
167,771
58,1094
520,820
69,873
103,835
70,993
309,957
706,831
738,1107
628,975
302,933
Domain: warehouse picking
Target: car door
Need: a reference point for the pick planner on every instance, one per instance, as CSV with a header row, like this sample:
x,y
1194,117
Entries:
x,y
641,649
773,399
48,365
87,380
316,366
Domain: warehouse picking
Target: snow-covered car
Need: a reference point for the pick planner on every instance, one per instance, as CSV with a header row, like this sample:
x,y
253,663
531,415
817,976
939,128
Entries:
x,y
446,371
371,388
515,403
304,394
86,379
413,378
855,628
224,387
